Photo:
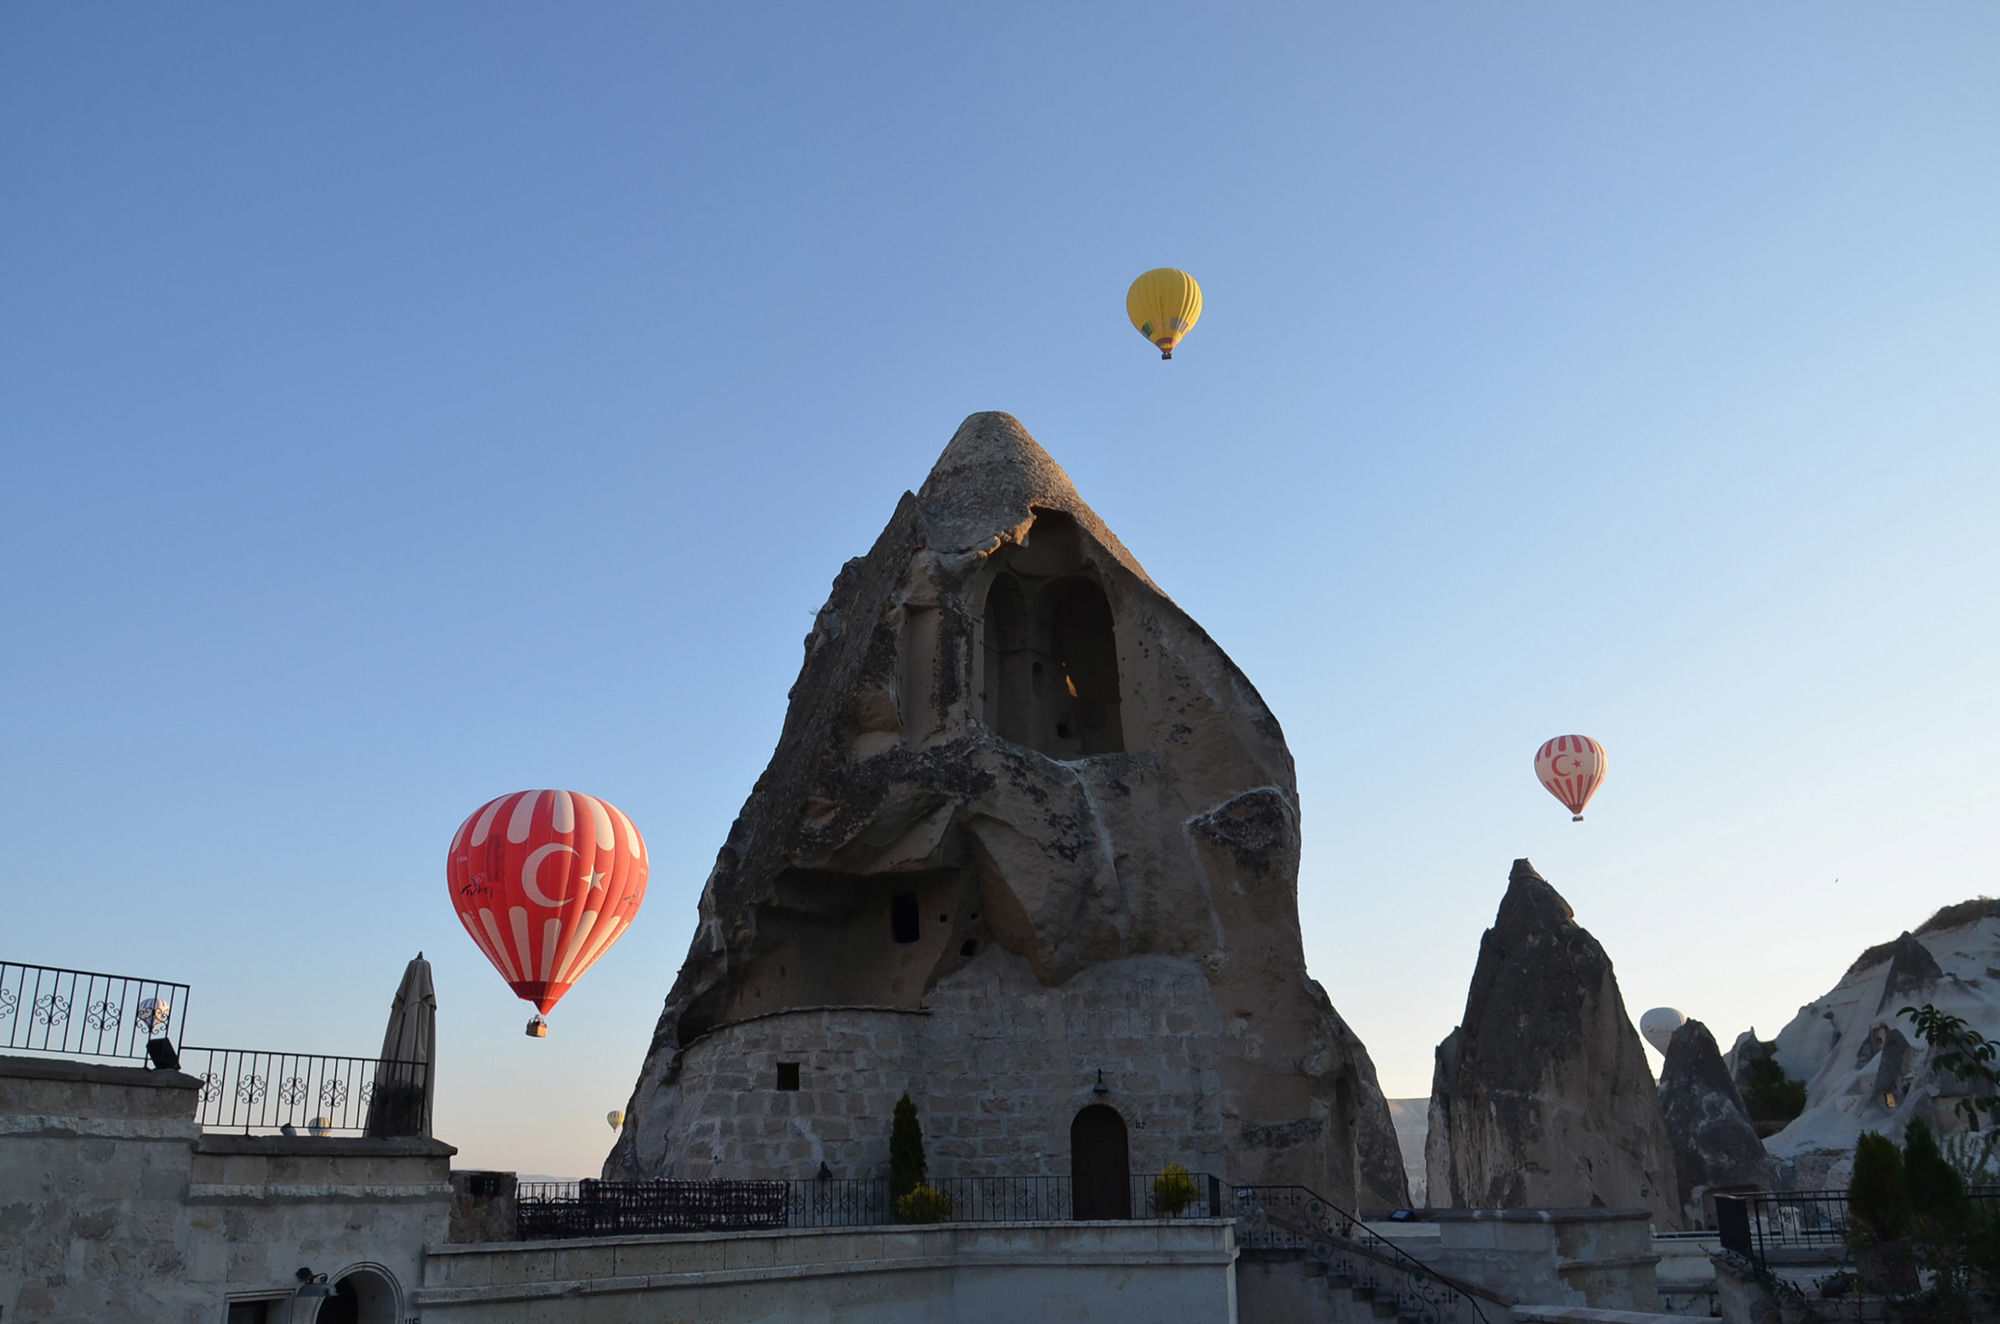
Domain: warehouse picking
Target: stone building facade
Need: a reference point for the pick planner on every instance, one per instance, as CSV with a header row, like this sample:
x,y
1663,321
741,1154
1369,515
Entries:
x,y
114,1205
1003,1064
1026,826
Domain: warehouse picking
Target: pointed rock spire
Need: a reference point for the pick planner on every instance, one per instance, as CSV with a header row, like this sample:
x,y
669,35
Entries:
x,y
1542,1096
986,486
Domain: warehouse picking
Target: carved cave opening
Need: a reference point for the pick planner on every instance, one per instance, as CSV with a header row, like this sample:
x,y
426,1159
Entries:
x,y
905,925
831,939
1051,650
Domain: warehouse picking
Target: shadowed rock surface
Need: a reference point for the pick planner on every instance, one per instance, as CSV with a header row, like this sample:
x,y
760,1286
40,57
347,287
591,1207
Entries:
x,y
1715,1145
1912,970
1542,1097
1026,826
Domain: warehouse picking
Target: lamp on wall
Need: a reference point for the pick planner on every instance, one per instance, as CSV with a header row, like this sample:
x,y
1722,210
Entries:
x,y
1100,1087
312,1286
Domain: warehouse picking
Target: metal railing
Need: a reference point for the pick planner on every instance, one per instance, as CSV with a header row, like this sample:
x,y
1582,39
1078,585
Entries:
x,y
1295,1218
1758,1224
82,1013
307,1093
604,1208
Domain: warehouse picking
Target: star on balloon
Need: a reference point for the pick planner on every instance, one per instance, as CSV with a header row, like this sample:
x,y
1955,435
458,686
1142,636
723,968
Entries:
x,y
596,880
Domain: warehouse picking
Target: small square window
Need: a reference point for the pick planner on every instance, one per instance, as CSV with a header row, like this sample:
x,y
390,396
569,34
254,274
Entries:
x,y
905,922
788,1075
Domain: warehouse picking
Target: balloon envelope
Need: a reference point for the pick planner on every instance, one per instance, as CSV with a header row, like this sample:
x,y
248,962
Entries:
x,y
614,1119
544,882
1164,304
1572,768
1658,1026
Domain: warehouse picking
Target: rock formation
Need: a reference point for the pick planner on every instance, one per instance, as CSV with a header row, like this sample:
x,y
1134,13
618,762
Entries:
x,y
1028,849
1542,1097
1863,1067
1715,1146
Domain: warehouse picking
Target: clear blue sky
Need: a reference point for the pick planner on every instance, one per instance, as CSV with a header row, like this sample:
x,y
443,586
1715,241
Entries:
x,y
405,405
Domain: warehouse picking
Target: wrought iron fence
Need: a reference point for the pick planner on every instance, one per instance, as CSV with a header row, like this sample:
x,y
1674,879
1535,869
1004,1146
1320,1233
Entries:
x,y
603,1208
307,1093
1295,1218
1757,1224
82,1013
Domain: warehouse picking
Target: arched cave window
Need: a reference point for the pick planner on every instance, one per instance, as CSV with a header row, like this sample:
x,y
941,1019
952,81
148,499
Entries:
x,y
904,925
1052,666
1086,656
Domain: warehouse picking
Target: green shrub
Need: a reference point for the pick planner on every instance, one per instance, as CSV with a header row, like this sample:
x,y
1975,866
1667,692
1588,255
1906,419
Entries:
x,y
1875,1193
923,1204
906,1150
1173,1191
1771,1095
1932,1188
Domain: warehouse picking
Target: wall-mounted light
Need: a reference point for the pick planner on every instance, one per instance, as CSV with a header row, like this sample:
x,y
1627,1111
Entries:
x,y
312,1286
1100,1087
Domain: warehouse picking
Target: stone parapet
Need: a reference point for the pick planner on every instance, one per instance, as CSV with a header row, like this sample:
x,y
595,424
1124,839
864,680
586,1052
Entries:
x,y
1180,1269
1599,1258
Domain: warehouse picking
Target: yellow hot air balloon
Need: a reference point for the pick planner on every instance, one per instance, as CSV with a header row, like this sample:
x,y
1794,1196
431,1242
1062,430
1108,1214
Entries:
x,y
1164,304
614,1119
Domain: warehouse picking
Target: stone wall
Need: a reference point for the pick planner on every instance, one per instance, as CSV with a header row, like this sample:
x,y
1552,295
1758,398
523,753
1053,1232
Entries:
x,y
113,1205
976,1273
998,1066
1601,1258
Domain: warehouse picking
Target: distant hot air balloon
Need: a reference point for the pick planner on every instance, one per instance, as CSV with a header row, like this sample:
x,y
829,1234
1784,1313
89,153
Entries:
x,y
614,1119
1572,767
545,882
1658,1026
1164,304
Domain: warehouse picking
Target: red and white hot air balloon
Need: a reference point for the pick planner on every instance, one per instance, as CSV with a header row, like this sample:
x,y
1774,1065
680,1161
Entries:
x,y
545,882
1572,767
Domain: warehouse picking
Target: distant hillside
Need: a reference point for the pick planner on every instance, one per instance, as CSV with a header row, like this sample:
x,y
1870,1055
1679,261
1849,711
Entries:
x,y
1951,917
1858,1056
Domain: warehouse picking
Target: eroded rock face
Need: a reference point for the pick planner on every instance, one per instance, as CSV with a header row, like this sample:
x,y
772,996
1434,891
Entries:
x,y
1542,1097
1018,794
1715,1145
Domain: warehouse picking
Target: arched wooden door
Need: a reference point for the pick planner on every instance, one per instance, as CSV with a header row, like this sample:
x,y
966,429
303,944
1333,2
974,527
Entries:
x,y
1100,1165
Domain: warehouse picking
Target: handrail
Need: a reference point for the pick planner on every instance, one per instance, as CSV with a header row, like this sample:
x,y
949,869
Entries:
x,y
314,1093
1302,1215
1755,1224
591,1208
88,1013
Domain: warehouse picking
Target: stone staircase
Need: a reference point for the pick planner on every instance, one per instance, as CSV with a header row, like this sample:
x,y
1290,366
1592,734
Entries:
x,y
1305,1259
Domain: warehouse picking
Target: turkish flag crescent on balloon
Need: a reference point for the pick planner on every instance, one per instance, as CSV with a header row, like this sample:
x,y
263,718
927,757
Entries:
x,y
545,882
1572,767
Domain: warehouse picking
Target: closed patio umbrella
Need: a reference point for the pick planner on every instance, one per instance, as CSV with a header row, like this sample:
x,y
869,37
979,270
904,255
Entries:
x,y
401,1103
